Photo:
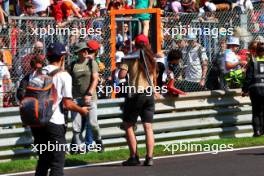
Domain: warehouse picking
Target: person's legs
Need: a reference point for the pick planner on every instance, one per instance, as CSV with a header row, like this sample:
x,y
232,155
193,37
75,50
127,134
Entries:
x,y
88,133
147,115
262,113
92,127
256,113
145,27
131,139
56,136
132,107
6,6
93,121
77,126
40,138
149,139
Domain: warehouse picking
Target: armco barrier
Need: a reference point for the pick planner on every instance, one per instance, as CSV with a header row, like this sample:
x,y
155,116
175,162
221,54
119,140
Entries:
x,y
197,116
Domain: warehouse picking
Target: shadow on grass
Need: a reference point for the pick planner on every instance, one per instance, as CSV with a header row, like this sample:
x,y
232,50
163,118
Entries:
x,y
75,162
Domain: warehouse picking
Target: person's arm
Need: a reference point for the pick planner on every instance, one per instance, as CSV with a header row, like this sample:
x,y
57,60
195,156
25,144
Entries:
x,y
95,78
70,105
204,72
248,79
107,3
76,11
151,3
155,77
134,4
204,66
231,65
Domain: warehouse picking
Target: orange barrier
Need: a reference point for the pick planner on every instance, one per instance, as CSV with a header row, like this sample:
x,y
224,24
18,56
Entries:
x,y
113,14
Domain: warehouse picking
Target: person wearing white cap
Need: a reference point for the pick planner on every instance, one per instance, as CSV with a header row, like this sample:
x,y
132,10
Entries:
x,y
118,56
232,63
231,59
196,65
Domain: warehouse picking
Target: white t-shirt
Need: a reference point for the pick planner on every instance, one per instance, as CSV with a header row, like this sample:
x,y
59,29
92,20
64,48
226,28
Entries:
x,y
195,57
63,84
41,5
231,57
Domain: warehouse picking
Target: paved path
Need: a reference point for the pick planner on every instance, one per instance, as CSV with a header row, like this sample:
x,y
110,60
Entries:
x,y
236,163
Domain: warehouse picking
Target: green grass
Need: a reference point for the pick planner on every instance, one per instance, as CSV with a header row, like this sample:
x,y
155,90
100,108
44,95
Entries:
x,y
122,154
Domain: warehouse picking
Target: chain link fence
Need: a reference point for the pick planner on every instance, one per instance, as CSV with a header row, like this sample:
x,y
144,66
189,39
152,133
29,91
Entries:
x,y
27,36
210,29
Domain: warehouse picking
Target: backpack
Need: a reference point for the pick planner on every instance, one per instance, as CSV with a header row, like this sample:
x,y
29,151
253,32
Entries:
x,y
40,95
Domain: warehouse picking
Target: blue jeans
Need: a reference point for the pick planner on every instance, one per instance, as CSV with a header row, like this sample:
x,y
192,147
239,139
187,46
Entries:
x,y
6,6
90,123
79,125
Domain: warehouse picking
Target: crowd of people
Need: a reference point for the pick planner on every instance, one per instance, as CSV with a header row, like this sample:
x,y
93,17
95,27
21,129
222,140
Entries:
x,y
16,61
76,88
186,67
62,9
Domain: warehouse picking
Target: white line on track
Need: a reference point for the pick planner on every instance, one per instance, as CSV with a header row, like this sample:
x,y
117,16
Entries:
x,y
160,157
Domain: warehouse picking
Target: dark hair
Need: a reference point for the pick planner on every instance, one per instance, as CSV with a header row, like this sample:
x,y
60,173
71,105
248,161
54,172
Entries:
x,y
260,49
253,45
174,54
89,2
53,59
149,56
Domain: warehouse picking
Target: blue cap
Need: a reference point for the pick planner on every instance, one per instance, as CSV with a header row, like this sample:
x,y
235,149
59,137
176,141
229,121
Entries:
x,y
56,50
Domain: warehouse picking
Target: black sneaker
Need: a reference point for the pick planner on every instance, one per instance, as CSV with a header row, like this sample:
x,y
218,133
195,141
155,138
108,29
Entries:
x,y
99,146
132,161
257,133
148,161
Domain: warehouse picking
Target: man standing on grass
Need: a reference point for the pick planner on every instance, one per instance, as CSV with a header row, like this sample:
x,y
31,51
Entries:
x,y
54,131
